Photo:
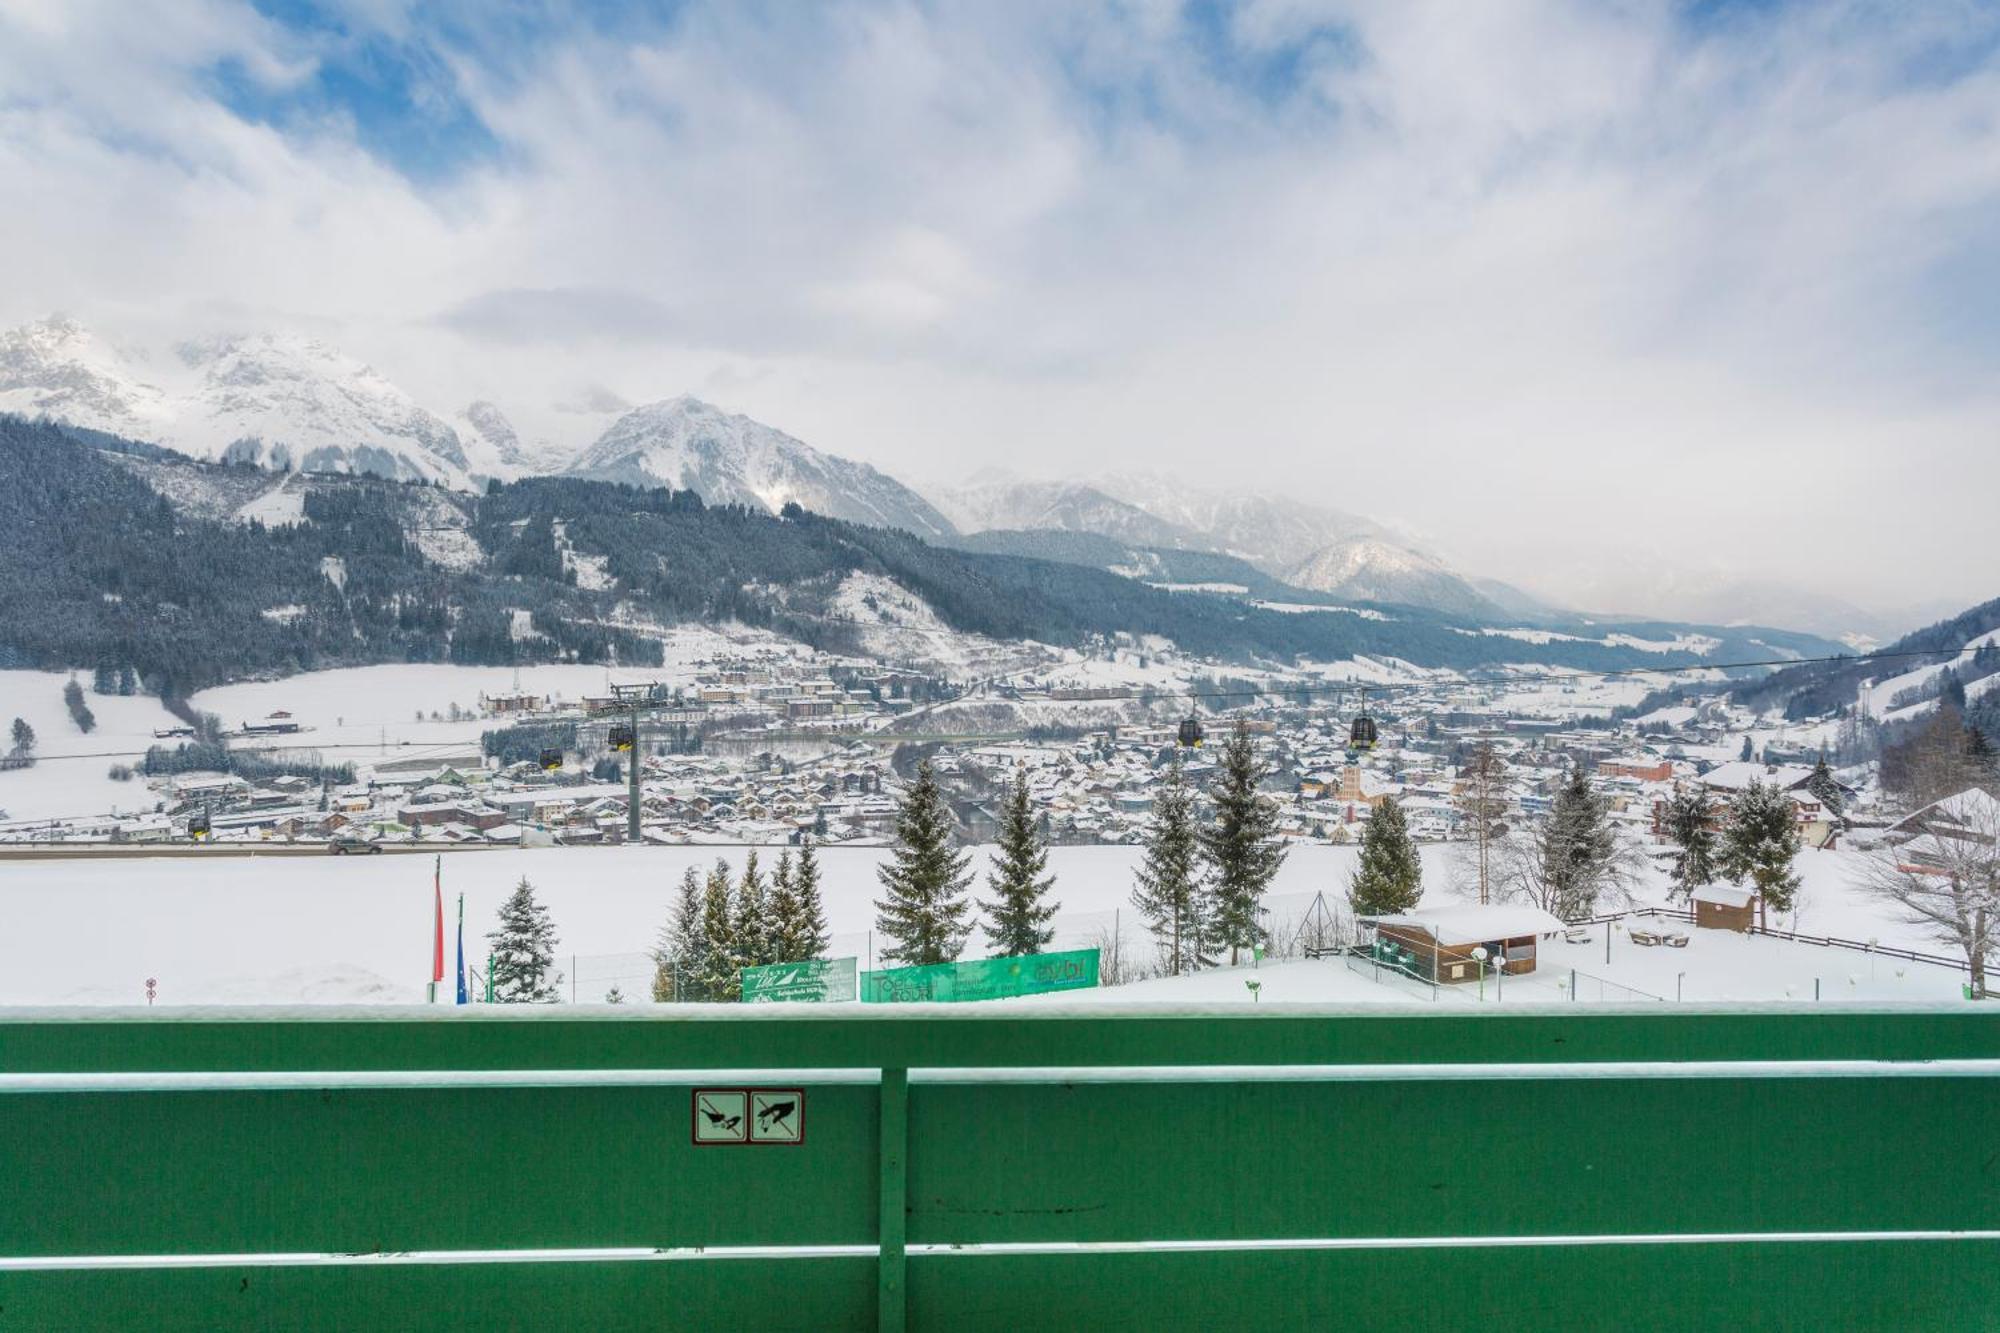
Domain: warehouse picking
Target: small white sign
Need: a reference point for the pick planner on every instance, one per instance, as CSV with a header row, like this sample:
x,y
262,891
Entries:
x,y
721,1115
777,1115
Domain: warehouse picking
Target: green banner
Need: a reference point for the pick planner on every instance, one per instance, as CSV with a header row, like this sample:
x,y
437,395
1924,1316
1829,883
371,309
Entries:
x,y
985,979
813,980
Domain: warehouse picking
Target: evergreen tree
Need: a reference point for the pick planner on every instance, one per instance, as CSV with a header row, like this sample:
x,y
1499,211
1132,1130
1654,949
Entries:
x,y
1762,839
1389,878
677,959
1017,920
785,925
753,924
79,711
814,938
925,915
1749,751
1823,785
717,977
1168,894
1689,827
128,681
24,738
1580,848
524,951
1241,847
104,681
1985,761
819,823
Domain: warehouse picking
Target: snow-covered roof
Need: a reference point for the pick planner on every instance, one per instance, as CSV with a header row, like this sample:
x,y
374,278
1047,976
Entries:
x,y
1471,923
1969,809
1722,895
1738,774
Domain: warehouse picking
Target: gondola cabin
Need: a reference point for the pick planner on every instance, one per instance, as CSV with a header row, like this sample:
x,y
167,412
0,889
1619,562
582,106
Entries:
x,y
551,760
1190,733
198,826
621,736
1361,736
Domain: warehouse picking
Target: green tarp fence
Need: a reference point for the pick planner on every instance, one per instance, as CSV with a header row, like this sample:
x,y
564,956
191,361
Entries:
x,y
986,979
815,979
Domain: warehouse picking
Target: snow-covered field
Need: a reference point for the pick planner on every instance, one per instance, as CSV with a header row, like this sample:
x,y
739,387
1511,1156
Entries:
x,y
312,930
72,775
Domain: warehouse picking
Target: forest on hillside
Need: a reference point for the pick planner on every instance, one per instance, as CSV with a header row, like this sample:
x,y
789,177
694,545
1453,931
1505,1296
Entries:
x,y
99,569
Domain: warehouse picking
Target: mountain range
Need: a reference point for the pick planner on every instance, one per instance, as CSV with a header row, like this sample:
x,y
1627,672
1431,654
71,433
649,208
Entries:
x,y
291,403
196,573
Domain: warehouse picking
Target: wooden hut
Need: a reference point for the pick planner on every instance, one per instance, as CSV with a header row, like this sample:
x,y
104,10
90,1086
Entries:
x,y
1724,907
1442,939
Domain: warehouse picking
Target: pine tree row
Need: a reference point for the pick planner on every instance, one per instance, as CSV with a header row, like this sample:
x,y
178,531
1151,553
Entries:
x,y
1201,886
722,923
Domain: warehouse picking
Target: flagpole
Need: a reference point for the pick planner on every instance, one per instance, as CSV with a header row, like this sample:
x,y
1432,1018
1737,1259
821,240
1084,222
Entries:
x,y
459,984
437,929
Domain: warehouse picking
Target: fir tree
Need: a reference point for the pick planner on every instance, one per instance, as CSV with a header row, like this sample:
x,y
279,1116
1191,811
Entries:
x,y
1749,751
783,905
1579,848
1762,839
717,977
24,738
1168,893
1241,846
925,914
1984,759
1689,825
1823,785
1389,878
103,681
524,951
753,925
1017,920
813,938
677,958
128,682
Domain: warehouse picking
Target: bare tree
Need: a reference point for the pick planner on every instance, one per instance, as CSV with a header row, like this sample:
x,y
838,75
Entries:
x,y
1481,800
1947,880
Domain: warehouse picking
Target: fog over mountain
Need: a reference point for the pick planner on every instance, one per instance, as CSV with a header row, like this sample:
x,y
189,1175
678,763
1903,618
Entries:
x,y
286,401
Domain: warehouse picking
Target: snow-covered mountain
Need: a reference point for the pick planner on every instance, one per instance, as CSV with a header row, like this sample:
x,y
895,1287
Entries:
x,y
277,400
295,404
1369,569
57,368
998,501
729,459
494,448
1272,533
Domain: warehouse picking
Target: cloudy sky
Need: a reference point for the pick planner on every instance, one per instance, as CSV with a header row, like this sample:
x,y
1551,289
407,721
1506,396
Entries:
x,y
1612,299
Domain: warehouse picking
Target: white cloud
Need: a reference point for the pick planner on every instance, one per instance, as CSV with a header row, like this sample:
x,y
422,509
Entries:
x,y
1577,290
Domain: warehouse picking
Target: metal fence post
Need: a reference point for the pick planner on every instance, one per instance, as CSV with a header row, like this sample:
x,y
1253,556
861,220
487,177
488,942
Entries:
x,y
891,1292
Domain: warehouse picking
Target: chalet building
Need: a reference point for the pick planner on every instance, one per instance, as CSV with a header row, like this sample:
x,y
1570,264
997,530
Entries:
x,y
1937,836
1441,939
